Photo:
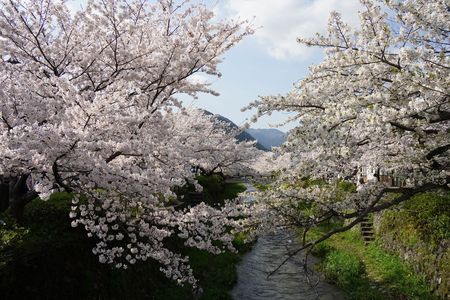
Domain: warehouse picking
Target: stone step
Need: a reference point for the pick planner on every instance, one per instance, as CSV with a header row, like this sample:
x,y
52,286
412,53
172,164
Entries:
x,y
366,225
367,234
367,230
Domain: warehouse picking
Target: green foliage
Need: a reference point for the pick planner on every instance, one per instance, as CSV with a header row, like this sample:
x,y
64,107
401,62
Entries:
x,y
307,182
48,257
420,226
216,273
420,230
261,187
366,272
43,221
212,187
302,183
346,186
231,190
426,217
240,242
38,212
343,268
393,273
321,250
216,189
11,236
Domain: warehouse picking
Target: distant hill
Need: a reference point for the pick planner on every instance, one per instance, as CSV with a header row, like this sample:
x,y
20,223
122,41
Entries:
x,y
269,137
243,136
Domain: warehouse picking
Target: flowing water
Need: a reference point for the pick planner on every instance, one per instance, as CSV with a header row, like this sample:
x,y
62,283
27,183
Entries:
x,y
289,282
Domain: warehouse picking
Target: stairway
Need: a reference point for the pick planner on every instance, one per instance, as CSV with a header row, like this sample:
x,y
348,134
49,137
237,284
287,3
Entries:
x,y
367,232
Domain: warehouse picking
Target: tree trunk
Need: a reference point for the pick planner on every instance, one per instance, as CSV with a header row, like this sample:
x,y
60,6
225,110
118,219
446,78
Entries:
x,y
16,208
4,195
19,196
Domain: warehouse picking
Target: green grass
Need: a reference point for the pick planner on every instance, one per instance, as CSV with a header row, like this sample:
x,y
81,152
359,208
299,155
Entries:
x,y
342,267
426,217
422,227
231,190
367,272
216,190
261,186
48,257
216,273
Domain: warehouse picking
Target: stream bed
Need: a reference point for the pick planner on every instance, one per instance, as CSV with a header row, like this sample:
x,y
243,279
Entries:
x,y
288,283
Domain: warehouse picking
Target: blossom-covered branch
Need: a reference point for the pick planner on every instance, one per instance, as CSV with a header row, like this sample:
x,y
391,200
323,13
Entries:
x,y
379,100
88,105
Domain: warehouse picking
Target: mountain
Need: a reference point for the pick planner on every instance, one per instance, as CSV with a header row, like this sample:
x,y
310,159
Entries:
x,y
243,136
269,137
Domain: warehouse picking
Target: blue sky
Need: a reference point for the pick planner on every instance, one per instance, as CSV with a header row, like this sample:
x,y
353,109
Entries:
x,y
248,71
270,61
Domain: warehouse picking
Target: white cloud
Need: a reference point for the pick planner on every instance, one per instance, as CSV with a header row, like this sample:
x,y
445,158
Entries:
x,y
282,21
198,78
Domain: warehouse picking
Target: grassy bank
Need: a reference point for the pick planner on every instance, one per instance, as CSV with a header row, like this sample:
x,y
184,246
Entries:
x,y
420,233
367,272
48,259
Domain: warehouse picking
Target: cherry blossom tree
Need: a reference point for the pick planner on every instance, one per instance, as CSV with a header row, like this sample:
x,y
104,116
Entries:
x,y
212,146
379,99
272,162
87,106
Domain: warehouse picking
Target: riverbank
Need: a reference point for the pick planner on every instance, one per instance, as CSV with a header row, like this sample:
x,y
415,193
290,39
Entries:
x,y
367,272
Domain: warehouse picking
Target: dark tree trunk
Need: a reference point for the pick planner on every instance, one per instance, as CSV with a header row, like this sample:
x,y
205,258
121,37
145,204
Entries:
x,y
4,195
19,196
16,209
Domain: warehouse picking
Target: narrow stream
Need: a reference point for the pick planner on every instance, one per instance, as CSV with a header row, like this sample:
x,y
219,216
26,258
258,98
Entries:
x,y
288,283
